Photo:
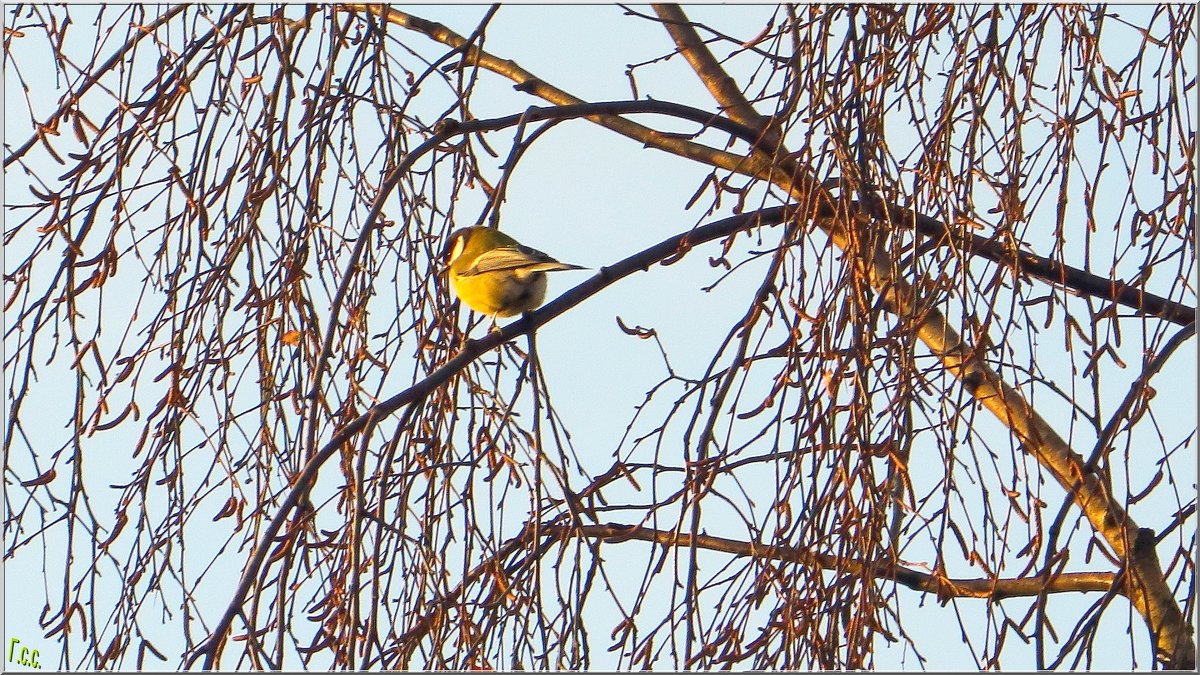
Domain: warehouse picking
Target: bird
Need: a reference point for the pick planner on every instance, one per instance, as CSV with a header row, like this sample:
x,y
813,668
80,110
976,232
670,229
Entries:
x,y
496,275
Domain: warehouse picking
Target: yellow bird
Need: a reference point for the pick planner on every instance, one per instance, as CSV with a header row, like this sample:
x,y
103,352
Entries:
x,y
495,275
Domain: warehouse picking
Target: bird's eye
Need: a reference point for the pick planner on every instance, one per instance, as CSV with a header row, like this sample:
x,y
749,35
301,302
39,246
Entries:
x,y
460,242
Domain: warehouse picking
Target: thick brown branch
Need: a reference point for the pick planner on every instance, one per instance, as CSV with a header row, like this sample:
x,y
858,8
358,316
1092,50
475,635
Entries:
x,y
1077,280
1147,587
1149,591
673,246
760,165
722,87
805,186
945,588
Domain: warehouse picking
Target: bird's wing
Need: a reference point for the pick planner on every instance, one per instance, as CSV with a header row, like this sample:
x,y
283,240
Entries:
x,y
515,257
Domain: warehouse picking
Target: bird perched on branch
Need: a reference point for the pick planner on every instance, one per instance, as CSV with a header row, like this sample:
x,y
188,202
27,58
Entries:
x,y
495,275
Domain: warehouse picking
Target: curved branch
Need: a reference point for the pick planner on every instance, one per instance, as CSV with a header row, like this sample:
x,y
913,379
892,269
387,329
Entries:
x,y
796,179
677,245
992,590
1135,391
719,83
1151,596
759,166
1080,281
1147,585
988,589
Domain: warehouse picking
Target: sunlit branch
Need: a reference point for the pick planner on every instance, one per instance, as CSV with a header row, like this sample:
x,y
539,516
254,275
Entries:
x,y
677,245
1037,266
945,588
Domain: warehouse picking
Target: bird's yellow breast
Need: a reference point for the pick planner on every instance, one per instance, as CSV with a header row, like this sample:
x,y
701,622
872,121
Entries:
x,y
505,293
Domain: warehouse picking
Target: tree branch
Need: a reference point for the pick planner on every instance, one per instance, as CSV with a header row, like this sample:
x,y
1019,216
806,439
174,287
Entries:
x,y
677,245
1080,281
139,33
1146,585
722,87
1149,591
801,183
988,589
